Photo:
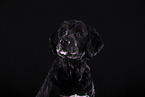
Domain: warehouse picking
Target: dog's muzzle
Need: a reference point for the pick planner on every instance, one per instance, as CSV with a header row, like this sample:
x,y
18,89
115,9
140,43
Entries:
x,y
67,48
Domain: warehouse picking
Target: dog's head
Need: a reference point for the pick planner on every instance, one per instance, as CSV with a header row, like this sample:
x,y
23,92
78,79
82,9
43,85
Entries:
x,y
74,40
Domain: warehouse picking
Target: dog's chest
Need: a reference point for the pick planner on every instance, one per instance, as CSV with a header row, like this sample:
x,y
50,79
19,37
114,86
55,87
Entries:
x,y
68,70
68,74
71,77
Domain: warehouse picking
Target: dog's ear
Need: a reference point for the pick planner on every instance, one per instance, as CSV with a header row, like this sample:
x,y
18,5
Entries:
x,y
53,40
94,44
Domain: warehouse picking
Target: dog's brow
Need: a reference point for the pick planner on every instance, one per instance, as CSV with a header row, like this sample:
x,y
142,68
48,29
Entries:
x,y
64,25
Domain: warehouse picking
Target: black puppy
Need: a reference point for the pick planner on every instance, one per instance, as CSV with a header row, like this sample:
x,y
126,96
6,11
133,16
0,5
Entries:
x,y
74,43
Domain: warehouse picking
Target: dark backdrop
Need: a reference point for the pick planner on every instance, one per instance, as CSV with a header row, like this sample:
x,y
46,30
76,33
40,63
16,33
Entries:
x,y
118,70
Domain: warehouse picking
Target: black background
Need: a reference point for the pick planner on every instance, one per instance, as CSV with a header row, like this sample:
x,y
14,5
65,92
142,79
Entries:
x,y
118,70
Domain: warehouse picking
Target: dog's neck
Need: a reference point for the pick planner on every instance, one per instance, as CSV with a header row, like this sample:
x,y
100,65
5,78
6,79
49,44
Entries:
x,y
71,65
74,62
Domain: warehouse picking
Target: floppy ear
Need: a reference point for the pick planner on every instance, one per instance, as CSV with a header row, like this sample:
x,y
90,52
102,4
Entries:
x,y
53,40
94,44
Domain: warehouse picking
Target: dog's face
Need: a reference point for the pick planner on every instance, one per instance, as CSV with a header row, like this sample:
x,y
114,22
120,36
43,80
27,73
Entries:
x,y
72,36
73,39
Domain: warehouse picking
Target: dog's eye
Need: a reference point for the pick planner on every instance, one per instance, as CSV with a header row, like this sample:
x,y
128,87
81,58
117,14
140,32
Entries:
x,y
62,32
78,34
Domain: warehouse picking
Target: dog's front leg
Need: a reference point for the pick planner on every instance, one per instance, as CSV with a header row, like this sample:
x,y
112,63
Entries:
x,y
44,89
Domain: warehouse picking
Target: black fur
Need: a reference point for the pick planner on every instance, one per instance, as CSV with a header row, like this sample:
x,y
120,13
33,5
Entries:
x,y
70,73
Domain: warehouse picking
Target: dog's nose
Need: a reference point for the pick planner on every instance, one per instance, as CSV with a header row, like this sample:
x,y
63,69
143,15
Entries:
x,y
65,42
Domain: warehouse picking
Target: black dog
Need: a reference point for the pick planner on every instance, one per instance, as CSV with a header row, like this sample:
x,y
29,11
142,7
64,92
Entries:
x,y
74,43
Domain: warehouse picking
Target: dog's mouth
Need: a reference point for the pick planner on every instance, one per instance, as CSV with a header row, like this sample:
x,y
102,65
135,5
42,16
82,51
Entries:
x,y
67,52
63,52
